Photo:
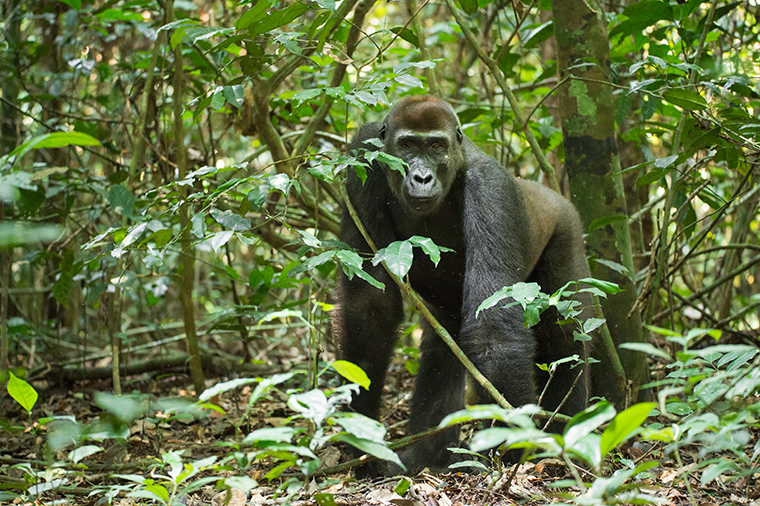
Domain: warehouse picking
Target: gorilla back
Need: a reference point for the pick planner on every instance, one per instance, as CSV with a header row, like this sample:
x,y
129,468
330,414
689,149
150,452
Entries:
x,y
503,230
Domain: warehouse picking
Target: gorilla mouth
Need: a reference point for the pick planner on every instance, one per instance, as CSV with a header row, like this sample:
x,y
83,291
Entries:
x,y
422,204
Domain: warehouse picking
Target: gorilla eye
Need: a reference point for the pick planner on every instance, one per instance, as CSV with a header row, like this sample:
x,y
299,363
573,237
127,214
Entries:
x,y
407,145
436,145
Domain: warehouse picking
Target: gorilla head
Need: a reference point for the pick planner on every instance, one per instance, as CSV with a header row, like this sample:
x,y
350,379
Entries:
x,y
424,132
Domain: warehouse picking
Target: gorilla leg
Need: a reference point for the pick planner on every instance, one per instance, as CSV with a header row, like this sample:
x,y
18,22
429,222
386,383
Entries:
x,y
504,351
438,391
556,342
563,260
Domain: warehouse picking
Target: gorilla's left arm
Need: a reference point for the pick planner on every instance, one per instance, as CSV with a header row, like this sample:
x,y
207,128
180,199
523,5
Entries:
x,y
501,248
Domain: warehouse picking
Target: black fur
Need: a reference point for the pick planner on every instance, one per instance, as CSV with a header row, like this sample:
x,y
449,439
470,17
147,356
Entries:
x,y
503,230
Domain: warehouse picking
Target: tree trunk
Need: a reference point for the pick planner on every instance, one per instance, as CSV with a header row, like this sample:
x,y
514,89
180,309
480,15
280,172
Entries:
x,y
596,187
188,260
8,141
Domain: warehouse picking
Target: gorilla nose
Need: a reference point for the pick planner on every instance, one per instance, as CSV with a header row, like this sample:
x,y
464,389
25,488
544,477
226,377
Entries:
x,y
423,179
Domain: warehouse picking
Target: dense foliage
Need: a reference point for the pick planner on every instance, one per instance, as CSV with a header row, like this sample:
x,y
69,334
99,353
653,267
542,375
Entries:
x,y
170,172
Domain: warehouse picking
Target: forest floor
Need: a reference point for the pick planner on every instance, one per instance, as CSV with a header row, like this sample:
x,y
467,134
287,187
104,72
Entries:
x,y
22,453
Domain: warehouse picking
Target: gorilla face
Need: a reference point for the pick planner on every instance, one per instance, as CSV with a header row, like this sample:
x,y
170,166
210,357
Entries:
x,y
429,139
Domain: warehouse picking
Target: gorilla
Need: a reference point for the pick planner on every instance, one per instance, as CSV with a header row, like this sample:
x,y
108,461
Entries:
x,y
503,230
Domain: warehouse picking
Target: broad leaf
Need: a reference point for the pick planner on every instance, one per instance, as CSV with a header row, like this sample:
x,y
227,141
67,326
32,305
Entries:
x,y
586,422
623,425
685,99
352,373
397,256
22,392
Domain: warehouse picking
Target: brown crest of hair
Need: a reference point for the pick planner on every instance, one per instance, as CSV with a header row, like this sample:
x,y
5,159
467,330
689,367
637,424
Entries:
x,y
422,113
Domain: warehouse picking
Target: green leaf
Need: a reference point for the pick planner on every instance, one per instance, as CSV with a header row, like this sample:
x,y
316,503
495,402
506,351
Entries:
x,y
225,386
352,373
231,220
82,452
646,348
592,324
351,263
22,392
650,177
407,35
121,200
118,15
134,233
685,99
220,239
254,14
55,140
279,17
361,426
429,247
604,286
402,486
198,225
325,499
126,408
619,268
699,139
397,256
281,434
373,448
678,408
469,6
607,220
177,37
586,422
217,99
62,287
494,299
327,4
243,483
712,471
393,163
624,424
304,95
641,15
75,4
409,80
267,383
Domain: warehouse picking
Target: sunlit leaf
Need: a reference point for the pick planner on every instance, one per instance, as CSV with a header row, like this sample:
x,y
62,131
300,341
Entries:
x,y
352,372
624,424
22,392
397,256
686,99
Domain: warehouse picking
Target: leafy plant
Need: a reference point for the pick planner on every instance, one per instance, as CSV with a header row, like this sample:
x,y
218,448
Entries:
x,y
709,395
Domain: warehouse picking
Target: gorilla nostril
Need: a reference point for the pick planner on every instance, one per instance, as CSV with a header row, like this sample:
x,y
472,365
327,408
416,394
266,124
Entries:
x,y
427,178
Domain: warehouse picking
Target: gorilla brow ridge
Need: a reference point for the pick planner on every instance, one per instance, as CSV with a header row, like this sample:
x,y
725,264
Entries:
x,y
423,113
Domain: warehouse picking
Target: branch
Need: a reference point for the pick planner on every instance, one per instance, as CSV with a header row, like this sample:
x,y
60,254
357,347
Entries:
x,y
546,167
340,71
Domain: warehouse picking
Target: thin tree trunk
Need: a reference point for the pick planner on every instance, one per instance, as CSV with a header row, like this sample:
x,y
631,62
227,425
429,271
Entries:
x,y
187,280
596,187
114,327
8,140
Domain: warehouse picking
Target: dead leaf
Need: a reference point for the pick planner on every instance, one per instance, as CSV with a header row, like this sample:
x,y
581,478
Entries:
x,y
237,498
382,495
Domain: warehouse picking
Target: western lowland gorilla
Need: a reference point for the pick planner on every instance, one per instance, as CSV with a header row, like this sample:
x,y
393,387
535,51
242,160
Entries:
x,y
503,230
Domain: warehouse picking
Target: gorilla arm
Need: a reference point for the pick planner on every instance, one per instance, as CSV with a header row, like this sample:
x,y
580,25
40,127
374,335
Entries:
x,y
368,318
499,245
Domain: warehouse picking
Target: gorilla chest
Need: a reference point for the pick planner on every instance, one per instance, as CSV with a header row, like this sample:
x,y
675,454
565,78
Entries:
x,y
440,285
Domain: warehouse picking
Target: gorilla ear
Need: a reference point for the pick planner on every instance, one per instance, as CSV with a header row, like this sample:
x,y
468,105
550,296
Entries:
x,y
382,132
460,135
